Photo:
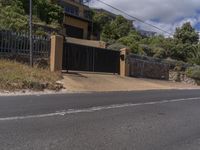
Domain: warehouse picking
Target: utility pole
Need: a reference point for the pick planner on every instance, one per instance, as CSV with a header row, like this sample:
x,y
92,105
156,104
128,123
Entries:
x,y
30,33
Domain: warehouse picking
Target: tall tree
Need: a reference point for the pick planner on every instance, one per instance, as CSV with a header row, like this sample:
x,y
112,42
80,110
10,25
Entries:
x,y
118,28
186,34
100,19
12,16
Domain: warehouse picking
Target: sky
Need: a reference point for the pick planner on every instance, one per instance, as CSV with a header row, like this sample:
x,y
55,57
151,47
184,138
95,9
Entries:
x,y
165,14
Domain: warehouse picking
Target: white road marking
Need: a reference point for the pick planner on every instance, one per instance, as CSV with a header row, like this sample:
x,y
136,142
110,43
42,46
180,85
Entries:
x,y
93,109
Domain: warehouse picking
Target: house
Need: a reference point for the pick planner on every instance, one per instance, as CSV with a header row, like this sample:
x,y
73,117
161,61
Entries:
x,y
77,19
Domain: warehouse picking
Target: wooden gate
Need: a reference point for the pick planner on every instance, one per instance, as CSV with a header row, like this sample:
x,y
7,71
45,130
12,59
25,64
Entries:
x,y
86,58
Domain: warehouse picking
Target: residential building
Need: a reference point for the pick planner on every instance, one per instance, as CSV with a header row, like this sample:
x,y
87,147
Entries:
x,y
77,20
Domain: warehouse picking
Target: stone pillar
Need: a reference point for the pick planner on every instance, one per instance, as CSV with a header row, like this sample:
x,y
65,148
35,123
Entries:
x,y
124,66
56,53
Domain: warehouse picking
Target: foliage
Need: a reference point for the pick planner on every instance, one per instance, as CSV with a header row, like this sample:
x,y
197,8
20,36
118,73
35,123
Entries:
x,y
48,11
13,17
195,56
131,40
186,34
14,13
100,20
183,51
116,29
194,72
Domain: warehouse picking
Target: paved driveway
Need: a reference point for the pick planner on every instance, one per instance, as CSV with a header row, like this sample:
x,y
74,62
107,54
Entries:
x,y
82,81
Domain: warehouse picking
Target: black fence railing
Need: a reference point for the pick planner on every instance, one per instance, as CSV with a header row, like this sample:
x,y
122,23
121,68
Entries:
x,y
14,44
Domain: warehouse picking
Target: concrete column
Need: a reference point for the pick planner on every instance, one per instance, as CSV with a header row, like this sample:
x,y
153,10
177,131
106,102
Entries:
x,y
124,66
56,53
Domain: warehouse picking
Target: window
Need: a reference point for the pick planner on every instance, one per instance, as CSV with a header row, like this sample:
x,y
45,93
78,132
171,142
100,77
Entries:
x,y
72,9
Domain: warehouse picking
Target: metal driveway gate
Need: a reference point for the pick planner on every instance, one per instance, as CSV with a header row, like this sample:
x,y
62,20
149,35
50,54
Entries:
x,y
86,58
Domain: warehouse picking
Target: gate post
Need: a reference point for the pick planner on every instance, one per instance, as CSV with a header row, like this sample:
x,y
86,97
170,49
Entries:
x,y
56,53
124,65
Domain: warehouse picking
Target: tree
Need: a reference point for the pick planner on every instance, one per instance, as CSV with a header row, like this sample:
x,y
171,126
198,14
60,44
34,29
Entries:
x,y
100,19
195,56
186,34
14,13
48,11
118,28
12,16
132,41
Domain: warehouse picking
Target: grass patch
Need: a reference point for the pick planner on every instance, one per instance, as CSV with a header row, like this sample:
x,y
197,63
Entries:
x,y
16,76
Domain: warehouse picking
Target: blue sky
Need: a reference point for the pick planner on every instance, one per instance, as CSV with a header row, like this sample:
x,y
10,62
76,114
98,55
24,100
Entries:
x,y
166,14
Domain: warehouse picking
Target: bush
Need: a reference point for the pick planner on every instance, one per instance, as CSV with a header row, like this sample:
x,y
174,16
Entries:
x,y
193,72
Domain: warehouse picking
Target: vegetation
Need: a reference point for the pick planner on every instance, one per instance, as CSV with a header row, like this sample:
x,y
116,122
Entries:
x,y
180,51
117,31
15,76
183,46
194,73
14,13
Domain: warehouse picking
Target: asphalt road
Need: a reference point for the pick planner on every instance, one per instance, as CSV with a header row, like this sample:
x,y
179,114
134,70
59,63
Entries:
x,y
151,120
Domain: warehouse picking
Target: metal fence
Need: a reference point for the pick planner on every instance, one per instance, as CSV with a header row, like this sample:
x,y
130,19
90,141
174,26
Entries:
x,y
15,44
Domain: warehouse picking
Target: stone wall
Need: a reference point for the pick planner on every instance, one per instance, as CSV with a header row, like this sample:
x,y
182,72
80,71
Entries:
x,y
148,69
179,76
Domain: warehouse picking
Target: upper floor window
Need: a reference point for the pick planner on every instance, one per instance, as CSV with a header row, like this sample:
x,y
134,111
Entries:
x,y
72,9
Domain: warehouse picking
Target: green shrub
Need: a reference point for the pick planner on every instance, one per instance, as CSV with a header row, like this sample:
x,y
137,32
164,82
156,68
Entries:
x,y
193,72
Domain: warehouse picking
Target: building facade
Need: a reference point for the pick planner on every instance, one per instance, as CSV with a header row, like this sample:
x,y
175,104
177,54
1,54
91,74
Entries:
x,y
77,20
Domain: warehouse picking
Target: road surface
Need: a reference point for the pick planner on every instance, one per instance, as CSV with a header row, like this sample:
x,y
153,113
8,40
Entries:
x,y
150,120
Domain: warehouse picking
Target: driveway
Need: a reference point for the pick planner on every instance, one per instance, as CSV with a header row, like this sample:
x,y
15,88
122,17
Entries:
x,y
84,82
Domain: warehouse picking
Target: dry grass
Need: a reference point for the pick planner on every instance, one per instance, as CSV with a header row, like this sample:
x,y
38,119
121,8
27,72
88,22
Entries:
x,y
16,76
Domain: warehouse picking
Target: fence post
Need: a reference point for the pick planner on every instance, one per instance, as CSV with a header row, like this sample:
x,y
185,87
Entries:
x,y
124,66
56,53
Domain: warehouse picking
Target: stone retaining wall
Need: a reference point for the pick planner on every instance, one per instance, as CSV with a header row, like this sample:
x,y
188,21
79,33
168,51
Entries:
x,y
148,69
178,76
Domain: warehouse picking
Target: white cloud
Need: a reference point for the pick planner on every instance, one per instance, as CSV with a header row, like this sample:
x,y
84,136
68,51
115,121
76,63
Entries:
x,y
166,14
